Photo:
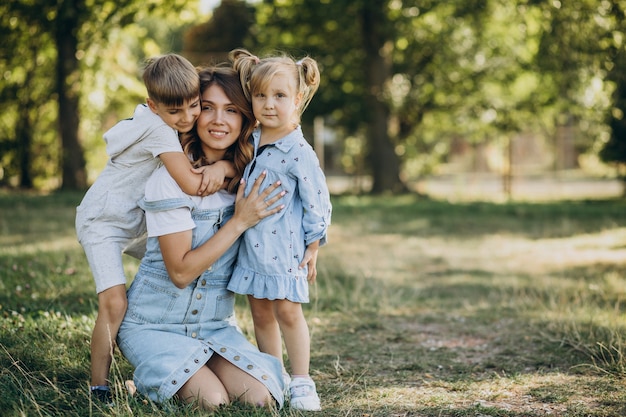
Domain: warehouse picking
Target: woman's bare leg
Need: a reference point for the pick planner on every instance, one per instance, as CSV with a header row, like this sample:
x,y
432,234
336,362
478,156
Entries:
x,y
240,386
206,388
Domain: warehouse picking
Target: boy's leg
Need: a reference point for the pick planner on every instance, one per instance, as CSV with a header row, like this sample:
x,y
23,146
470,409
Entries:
x,y
112,305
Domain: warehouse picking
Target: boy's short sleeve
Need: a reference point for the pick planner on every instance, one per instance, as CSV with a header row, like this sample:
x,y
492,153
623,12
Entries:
x,y
163,139
161,186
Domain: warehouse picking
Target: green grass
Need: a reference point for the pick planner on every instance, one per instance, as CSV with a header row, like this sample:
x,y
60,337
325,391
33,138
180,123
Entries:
x,y
422,308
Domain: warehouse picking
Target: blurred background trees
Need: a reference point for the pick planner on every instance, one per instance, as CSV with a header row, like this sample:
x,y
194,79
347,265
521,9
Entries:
x,y
409,89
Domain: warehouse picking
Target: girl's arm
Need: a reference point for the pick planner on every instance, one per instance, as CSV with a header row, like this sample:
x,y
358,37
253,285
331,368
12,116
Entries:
x,y
310,261
185,264
204,181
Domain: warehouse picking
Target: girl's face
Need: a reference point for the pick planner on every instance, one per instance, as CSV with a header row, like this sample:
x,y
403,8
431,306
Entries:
x,y
219,123
275,106
180,118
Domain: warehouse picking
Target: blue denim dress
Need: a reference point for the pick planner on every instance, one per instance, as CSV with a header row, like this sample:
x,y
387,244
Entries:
x,y
169,333
271,251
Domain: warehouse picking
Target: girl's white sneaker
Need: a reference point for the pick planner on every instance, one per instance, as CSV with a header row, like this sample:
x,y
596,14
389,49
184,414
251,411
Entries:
x,y
303,395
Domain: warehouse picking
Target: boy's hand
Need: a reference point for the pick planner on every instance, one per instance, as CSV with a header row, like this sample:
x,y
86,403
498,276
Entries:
x,y
213,178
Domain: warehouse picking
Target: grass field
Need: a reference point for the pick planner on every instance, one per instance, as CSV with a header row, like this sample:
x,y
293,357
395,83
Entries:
x,y
423,308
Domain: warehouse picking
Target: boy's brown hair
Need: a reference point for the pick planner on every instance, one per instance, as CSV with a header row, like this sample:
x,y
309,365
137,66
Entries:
x,y
171,80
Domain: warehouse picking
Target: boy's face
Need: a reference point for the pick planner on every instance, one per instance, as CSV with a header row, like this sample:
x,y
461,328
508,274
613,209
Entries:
x,y
182,118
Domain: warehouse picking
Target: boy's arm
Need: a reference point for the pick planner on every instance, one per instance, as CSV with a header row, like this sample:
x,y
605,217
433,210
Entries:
x,y
216,176
197,181
180,169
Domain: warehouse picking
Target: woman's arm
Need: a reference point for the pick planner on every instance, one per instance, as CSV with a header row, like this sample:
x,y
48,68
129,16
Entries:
x,y
184,264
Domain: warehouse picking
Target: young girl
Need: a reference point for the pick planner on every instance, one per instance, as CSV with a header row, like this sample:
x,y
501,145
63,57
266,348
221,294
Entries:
x,y
277,258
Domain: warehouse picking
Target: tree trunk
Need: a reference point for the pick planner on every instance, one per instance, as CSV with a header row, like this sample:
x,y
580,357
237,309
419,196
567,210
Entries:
x,y
382,159
74,175
24,135
24,126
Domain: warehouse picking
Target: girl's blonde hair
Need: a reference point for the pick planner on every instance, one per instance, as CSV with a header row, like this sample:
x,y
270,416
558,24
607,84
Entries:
x,y
255,74
240,152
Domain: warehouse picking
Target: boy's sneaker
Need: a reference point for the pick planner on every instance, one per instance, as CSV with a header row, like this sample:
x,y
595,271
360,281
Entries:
x,y
103,395
303,395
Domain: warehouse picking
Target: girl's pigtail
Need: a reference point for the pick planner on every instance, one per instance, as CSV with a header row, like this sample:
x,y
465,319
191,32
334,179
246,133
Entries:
x,y
310,76
243,62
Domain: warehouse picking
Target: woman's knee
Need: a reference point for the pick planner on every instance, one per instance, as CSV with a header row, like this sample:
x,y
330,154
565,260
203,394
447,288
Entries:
x,y
204,388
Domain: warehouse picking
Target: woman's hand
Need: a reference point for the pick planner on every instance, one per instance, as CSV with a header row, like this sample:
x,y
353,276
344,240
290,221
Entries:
x,y
256,206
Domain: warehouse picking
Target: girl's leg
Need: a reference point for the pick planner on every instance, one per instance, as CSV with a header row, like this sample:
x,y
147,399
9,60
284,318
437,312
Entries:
x,y
112,305
296,333
239,385
206,388
302,390
266,328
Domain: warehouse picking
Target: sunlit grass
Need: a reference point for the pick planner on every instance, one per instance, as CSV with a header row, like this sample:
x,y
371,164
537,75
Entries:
x,y
422,308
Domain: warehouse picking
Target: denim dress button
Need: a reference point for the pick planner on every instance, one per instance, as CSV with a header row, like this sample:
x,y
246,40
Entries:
x,y
237,358
223,349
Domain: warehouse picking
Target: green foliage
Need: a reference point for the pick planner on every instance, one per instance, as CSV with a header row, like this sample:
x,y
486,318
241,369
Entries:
x,y
480,70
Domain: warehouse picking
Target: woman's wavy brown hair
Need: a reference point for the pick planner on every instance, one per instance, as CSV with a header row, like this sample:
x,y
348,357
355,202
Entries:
x,y
240,152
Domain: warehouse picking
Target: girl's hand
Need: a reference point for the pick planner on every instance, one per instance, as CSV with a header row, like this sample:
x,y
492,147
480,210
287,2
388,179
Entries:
x,y
310,261
256,206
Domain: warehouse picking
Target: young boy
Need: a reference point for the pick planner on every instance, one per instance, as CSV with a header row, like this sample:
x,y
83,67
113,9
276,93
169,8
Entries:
x,y
109,220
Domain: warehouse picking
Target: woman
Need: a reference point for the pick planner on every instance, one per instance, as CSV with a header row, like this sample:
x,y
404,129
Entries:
x,y
179,330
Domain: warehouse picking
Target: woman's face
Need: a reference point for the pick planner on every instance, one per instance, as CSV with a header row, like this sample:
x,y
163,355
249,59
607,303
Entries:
x,y
219,123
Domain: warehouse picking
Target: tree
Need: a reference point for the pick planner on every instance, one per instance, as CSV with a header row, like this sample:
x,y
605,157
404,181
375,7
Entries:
x,y
226,30
614,150
68,28
24,92
382,66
